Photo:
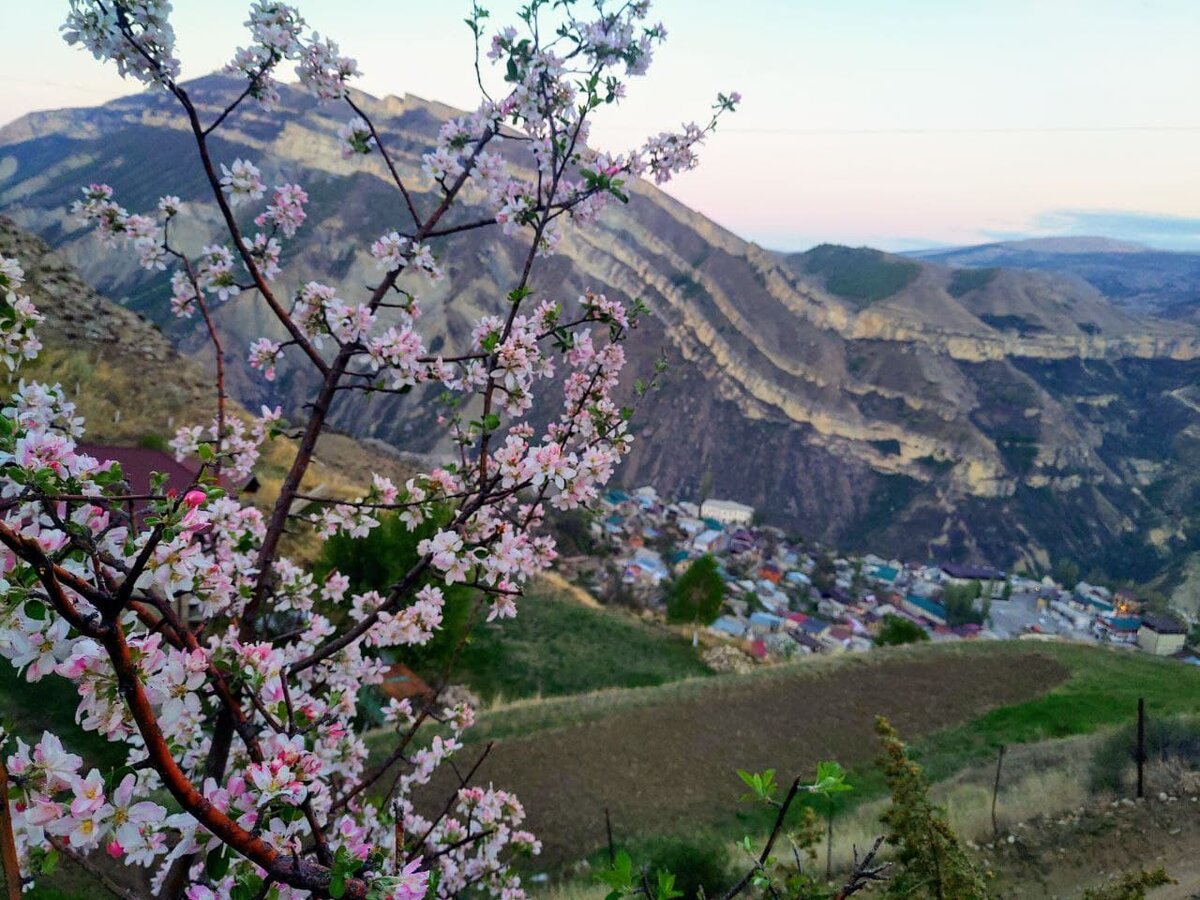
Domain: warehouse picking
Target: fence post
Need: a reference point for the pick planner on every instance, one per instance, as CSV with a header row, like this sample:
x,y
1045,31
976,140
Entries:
x,y
829,842
996,793
612,850
1141,748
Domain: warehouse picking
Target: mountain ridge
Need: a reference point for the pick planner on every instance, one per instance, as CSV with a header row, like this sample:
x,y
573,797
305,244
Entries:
x,y
910,419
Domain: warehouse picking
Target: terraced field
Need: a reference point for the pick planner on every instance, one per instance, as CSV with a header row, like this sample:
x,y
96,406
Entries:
x,y
664,759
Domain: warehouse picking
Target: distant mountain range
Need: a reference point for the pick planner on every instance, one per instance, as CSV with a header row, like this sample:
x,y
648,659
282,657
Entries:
x,y
1135,277
920,406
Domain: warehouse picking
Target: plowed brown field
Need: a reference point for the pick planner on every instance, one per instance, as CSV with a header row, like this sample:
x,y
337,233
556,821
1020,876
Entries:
x,y
660,765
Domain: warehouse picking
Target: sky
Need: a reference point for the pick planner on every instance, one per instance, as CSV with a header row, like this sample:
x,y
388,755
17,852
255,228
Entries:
x,y
899,124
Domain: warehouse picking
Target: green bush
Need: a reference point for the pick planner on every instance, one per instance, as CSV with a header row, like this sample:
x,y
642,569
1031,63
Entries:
x,y
697,596
380,560
153,441
698,864
897,630
1114,761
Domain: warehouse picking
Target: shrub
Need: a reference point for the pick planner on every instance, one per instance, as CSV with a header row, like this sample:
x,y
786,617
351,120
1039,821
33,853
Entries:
x,y
697,595
1167,740
699,864
898,630
931,862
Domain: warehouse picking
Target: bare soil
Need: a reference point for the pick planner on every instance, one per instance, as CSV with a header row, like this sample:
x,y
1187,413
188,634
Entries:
x,y
668,767
1061,856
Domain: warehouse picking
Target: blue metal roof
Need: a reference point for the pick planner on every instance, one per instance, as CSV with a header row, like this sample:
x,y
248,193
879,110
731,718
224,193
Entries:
x,y
927,605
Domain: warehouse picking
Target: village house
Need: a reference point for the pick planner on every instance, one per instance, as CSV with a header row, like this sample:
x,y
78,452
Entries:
x,y
731,626
1118,629
727,512
924,608
1161,635
710,541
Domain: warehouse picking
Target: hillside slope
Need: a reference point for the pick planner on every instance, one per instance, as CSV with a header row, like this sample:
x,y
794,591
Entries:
x,y
852,396
122,373
1137,278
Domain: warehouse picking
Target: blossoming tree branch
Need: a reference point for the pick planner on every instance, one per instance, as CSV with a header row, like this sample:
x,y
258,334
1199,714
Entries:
x,y
245,775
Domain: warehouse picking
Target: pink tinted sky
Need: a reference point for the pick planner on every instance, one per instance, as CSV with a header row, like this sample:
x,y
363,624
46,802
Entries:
x,y
897,124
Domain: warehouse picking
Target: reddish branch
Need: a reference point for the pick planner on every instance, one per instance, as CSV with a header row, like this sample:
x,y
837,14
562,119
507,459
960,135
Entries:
x,y
8,843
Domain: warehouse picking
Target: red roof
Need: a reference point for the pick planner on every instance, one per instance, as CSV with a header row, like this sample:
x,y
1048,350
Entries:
x,y
403,683
137,464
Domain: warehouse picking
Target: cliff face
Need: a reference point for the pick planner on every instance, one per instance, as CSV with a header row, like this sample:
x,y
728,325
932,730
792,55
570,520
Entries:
x,y
850,395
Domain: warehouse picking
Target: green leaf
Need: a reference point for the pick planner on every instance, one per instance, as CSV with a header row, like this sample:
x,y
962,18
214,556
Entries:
x,y
217,863
831,779
206,452
36,610
247,886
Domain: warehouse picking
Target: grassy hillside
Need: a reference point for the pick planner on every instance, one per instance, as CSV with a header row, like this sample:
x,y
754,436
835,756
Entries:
x,y
556,647
663,759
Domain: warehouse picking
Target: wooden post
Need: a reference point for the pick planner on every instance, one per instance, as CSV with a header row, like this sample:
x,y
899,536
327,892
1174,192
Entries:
x,y
996,793
612,849
1141,748
829,842
8,843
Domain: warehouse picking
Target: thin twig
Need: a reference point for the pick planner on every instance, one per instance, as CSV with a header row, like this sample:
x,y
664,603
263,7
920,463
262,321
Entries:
x,y
766,852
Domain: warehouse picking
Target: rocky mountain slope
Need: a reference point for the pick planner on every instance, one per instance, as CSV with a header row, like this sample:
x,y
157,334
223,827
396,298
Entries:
x,y
852,396
134,388
1137,278
122,373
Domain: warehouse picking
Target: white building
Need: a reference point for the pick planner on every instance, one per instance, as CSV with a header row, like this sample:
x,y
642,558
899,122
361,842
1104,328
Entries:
x,y
727,512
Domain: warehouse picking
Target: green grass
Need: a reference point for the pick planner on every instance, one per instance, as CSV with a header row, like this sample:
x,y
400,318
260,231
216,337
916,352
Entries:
x,y
555,647
1101,693
28,709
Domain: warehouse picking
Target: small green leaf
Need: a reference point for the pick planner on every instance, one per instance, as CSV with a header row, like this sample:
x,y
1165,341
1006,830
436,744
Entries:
x,y
217,863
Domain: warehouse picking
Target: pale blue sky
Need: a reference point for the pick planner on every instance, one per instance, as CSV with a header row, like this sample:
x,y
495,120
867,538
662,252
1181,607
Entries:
x,y
895,123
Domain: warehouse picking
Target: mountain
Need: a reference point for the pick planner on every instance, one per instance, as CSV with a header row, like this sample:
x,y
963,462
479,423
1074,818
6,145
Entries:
x,y
104,354
1137,278
854,397
106,357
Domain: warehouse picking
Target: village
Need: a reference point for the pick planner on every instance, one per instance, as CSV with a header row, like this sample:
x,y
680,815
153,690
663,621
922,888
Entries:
x,y
784,599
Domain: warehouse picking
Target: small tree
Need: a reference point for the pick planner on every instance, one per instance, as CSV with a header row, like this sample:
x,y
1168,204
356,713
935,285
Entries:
x,y
932,863
1066,573
959,601
696,597
245,714
897,630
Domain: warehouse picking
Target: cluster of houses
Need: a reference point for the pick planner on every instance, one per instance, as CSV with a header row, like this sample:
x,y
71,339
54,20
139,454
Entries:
x,y
783,599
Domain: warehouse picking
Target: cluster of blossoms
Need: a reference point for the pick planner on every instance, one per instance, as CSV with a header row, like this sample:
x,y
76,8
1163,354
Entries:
x,y
116,223
56,803
229,673
138,37
18,338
